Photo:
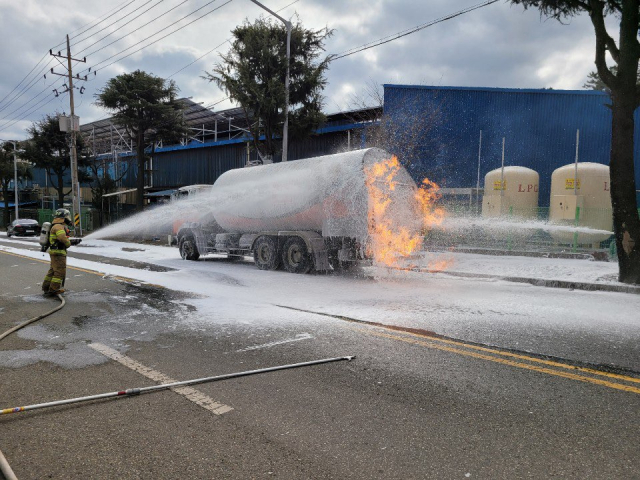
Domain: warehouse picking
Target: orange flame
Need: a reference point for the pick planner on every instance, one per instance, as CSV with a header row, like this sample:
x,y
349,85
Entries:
x,y
393,238
439,265
427,195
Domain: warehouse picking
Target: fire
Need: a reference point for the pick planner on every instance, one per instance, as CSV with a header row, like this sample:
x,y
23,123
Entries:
x,y
396,230
439,265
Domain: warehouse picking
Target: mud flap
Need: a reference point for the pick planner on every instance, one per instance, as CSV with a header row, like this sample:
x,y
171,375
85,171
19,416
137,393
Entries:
x,y
320,254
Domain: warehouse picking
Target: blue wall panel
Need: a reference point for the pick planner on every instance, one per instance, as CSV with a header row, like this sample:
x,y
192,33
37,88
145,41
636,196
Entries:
x,y
178,166
539,127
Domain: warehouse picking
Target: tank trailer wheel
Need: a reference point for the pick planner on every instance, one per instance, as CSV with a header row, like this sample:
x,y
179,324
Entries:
x,y
188,248
295,256
265,253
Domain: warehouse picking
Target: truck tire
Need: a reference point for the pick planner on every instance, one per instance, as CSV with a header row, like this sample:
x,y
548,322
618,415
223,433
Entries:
x,y
265,253
188,248
295,256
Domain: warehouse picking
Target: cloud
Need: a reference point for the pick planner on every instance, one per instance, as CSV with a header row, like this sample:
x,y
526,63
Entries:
x,y
499,45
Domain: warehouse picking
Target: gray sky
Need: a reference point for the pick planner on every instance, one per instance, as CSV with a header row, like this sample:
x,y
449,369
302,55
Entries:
x,y
496,46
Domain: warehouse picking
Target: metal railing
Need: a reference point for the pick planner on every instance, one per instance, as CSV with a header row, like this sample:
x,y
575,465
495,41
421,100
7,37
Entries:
x,y
525,230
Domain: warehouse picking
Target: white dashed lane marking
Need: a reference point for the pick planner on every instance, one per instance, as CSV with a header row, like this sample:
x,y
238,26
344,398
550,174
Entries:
x,y
190,393
297,338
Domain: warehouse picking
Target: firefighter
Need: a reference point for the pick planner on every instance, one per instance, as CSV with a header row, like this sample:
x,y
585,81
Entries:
x,y
59,242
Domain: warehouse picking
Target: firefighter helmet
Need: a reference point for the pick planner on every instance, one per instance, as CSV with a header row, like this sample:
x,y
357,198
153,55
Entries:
x,y
65,214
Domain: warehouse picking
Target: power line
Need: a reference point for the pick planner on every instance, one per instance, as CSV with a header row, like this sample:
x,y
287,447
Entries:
x,y
97,23
105,128
215,48
8,115
198,59
30,85
25,77
346,53
161,38
404,33
189,64
150,36
116,21
118,7
174,31
33,109
25,115
130,33
37,77
26,88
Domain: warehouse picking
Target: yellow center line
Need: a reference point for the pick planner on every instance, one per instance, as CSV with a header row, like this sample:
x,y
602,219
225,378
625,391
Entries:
x,y
432,344
494,351
93,272
550,363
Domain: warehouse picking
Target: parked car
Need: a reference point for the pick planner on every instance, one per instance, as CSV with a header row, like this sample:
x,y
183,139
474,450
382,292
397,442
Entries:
x,y
23,227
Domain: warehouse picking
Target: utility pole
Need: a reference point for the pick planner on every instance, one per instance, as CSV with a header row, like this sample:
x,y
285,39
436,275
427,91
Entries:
x,y
15,175
285,130
15,180
74,127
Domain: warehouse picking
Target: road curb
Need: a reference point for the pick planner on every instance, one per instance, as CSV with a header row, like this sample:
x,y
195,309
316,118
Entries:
x,y
539,282
525,253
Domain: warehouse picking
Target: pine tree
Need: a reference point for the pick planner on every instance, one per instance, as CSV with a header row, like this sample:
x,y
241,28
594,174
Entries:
x,y
146,106
253,74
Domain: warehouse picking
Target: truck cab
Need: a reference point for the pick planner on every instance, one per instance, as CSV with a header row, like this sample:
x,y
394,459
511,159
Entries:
x,y
182,193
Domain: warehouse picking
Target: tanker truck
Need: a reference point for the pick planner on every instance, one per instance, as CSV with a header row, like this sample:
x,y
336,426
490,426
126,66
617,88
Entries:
x,y
303,215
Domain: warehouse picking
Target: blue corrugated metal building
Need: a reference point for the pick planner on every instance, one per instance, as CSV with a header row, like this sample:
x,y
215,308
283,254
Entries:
x,y
539,127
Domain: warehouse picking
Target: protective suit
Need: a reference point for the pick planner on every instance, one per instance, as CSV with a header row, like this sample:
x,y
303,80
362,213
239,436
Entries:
x,y
59,242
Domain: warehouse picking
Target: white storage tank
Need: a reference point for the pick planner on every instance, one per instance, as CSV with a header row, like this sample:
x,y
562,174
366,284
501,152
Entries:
x,y
512,192
590,194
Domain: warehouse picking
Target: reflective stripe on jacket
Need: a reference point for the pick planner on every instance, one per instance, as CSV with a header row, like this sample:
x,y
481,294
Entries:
x,y
59,238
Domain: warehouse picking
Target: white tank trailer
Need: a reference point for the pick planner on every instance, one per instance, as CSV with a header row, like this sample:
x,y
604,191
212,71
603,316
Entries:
x,y
299,215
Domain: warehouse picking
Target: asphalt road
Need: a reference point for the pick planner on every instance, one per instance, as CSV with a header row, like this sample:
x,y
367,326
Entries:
x,y
410,405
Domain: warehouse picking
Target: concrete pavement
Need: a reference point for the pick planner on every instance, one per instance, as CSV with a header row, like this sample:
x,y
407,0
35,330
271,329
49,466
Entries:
x,y
409,406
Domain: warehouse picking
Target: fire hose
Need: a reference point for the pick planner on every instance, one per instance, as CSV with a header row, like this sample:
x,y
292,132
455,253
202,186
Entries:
x,y
4,465
6,469
24,324
155,388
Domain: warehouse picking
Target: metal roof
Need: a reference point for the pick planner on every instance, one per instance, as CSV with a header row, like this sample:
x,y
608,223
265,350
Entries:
x,y
206,127
545,91
106,135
